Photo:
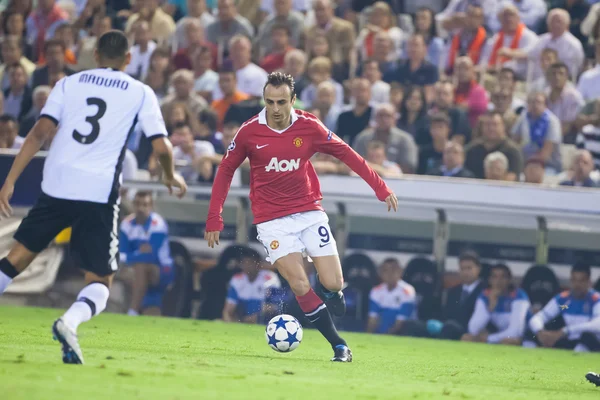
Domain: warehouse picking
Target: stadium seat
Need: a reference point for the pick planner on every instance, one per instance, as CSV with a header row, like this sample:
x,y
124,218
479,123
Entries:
x,y
422,274
540,284
176,300
360,273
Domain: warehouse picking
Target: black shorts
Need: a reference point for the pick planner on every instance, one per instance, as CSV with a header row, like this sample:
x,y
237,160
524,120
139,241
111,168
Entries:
x,y
94,237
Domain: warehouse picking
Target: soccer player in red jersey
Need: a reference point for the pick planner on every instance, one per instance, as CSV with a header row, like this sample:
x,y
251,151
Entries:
x,y
285,195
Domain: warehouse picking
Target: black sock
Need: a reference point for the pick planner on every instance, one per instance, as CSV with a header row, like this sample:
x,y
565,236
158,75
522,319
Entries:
x,y
8,269
321,319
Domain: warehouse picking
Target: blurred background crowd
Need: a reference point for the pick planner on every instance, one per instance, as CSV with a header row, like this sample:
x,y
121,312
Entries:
x,y
505,90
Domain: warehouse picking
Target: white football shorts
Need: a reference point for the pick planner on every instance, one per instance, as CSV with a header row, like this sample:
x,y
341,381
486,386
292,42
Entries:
x,y
306,232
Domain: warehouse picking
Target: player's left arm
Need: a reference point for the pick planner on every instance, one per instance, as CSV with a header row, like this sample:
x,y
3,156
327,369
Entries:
x,y
327,142
46,124
592,326
516,326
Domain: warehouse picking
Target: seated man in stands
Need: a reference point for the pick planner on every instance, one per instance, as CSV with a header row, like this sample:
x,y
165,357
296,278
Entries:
x,y
496,166
500,311
579,308
453,162
144,246
377,160
248,293
460,299
392,302
583,165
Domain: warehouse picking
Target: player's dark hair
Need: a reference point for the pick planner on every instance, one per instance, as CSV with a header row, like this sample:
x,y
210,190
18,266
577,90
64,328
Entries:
x,y
112,46
52,43
143,193
209,118
4,118
470,255
581,266
277,79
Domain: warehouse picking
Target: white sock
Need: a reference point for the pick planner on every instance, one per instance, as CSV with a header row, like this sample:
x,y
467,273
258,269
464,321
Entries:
x,y
581,348
132,313
5,280
91,301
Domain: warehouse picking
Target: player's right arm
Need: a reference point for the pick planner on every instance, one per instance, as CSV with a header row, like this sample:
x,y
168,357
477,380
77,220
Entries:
x,y
236,154
153,126
548,313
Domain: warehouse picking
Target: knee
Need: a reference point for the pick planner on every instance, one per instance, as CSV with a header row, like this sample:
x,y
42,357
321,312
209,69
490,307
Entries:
x,y
332,283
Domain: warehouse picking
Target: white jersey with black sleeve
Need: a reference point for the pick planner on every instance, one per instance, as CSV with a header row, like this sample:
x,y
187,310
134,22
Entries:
x,y
95,112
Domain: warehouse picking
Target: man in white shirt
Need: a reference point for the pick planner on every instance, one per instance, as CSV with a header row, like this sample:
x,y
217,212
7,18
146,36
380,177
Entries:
x,y
141,51
197,11
589,81
188,152
95,112
568,47
250,77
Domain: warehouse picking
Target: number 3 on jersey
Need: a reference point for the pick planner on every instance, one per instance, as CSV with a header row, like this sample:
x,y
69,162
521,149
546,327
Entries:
x,y
93,121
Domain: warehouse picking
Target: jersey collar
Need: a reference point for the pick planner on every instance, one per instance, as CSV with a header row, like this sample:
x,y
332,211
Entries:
x,y
262,119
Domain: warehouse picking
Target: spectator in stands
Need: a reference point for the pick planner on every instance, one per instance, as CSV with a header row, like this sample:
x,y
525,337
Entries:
x,y
577,10
12,54
9,133
579,307
380,90
196,11
144,246
383,53
568,48
187,151
182,84
141,51
179,113
352,122
231,95
547,58
563,100
589,137
460,299
228,24
17,98
41,24
280,46
248,293
325,164
400,146
469,95
208,130
507,80
319,47
377,160
495,166
509,47
162,26
413,111
501,307
538,131
424,23
339,33
319,70
54,51
250,77
326,103
416,70
101,23
158,73
589,81
453,162
283,15
380,18
39,97
534,171
456,14
501,102
194,40
392,302
469,41
14,26
430,155
493,139
583,165
66,34
443,101
294,64
206,80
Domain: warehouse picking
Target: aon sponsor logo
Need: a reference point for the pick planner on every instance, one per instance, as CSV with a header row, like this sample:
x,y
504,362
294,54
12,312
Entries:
x,y
283,165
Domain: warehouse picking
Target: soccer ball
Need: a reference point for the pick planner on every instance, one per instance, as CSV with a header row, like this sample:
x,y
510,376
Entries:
x,y
283,333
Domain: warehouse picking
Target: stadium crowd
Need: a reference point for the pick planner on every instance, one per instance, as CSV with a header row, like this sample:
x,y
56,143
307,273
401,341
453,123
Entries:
x,y
504,90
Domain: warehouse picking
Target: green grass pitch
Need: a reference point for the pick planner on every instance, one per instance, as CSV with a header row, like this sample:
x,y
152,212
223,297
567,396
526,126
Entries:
x,y
161,358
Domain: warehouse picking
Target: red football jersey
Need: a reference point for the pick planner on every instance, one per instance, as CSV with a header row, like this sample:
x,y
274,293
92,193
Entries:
x,y
282,179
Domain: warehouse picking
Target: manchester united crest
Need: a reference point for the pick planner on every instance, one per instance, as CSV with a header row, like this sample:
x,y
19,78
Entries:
x,y
298,142
274,245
